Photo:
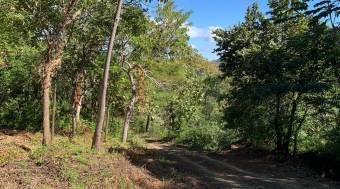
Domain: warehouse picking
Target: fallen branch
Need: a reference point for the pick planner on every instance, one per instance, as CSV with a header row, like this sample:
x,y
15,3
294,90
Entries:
x,y
27,149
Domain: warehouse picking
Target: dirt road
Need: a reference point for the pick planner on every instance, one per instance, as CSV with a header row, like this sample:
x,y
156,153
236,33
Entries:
x,y
189,169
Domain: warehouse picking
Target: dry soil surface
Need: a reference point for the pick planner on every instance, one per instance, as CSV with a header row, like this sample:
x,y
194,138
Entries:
x,y
233,169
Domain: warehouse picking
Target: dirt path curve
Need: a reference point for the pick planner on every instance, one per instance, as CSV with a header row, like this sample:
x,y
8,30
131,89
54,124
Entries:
x,y
213,173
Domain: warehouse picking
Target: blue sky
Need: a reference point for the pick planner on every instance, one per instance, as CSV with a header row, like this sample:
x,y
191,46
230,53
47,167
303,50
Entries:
x,y
211,14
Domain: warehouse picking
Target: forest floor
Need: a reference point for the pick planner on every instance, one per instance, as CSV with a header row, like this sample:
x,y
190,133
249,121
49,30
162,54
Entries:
x,y
71,164
25,164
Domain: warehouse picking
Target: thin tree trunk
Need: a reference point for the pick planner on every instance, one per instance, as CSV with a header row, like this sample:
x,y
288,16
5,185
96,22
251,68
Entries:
x,y
130,109
96,141
54,110
148,122
76,116
78,109
46,84
128,116
78,95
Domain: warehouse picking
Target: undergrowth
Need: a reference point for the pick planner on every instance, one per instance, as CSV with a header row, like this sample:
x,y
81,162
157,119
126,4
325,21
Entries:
x,y
70,163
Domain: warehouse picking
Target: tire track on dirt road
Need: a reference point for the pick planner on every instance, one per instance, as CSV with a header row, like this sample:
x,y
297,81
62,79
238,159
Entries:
x,y
221,174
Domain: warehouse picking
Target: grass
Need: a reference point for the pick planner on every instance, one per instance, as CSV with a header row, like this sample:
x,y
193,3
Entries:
x,y
136,142
79,186
125,183
72,164
82,159
40,154
71,175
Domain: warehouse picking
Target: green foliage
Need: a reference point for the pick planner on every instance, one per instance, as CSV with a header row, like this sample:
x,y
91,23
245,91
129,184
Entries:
x,y
206,137
157,130
20,86
279,85
136,141
176,72
40,155
282,74
171,42
70,175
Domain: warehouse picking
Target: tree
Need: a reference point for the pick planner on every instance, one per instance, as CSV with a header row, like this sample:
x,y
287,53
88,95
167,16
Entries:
x,y
275,66
49,22
19,78
96,141
130,109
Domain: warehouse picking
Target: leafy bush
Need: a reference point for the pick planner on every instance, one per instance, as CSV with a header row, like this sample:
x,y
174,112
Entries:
x,y
136,141
207,137
65,122
86,126
137,124
116,128
157,131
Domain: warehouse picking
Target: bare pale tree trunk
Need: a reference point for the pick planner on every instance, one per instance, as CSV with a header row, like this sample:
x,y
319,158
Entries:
x,y
78,95
130,109
78,109
54,110
128,116
96,141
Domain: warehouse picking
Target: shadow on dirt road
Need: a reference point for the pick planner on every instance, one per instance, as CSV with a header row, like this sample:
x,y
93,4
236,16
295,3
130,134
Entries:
x,y
188,169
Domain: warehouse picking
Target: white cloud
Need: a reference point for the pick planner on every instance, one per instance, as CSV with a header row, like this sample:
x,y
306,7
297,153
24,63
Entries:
x,y
193,46
196,32
202,33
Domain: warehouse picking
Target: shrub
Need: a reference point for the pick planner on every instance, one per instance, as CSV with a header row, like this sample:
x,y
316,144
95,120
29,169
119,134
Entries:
x,y
157,131
207,137
136,141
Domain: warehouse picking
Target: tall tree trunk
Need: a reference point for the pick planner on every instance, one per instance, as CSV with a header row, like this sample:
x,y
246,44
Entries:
x,y
49,69
107,123
54,110
96,141
78,95
46,84
130,109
